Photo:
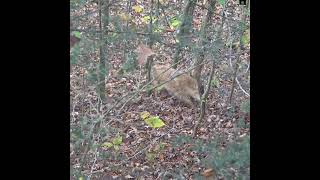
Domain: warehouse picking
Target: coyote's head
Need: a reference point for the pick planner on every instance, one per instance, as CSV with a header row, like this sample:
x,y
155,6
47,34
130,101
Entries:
x,y
143,53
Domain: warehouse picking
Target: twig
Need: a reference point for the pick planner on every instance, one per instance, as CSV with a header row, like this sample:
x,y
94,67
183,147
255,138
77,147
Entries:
x,y
230,63
238,58
241,87
94,162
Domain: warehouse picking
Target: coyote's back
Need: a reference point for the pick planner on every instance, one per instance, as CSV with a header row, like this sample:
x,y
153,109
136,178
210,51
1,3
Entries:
x,y
182,86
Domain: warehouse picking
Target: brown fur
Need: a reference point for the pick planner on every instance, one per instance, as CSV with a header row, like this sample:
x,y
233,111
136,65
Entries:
x,y
183,87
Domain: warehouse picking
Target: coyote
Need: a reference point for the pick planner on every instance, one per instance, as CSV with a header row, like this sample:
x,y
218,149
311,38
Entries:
x,y
181,86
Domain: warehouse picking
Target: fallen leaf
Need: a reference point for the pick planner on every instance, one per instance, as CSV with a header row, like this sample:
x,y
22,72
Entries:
x,y
162,1
144,168
154,122
116,147
161,157
107,144
137,8
209,174
144,114
117,140
170,30
229,124
128,177
124,16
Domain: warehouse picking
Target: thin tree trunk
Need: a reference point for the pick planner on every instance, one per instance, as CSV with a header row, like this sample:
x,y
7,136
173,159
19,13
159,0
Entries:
x,y
236,67
185,28
204,98
207,22
149,61
102,70
205,94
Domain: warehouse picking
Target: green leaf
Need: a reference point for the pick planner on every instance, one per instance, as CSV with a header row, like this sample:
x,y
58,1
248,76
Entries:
x,y
154,122
162,146
160,88
162,1
146,19
222,2
107,145
158,30
116,147
215,82
137,8
144,114
124,16
245,39
149,87
117,140
159,147
150,156
175,23
76,34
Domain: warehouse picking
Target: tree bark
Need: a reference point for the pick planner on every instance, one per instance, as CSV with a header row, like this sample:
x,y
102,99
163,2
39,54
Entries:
x,y
185,29
102,70
149,61
236,67
207,22
204,98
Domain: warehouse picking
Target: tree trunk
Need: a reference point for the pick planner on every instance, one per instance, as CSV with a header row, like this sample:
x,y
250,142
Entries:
x,y
102,70
203,43
236,67
185,29
204,98
206,93
149,61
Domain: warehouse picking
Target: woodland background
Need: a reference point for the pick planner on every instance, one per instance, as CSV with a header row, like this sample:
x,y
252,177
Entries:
x,y
110,96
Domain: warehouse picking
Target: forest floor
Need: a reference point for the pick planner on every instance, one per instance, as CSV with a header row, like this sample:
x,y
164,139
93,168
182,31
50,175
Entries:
x,y
144,152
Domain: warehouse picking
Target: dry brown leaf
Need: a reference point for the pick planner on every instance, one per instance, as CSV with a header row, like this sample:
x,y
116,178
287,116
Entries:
x,y
229,124
161,157
169,30
209,174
